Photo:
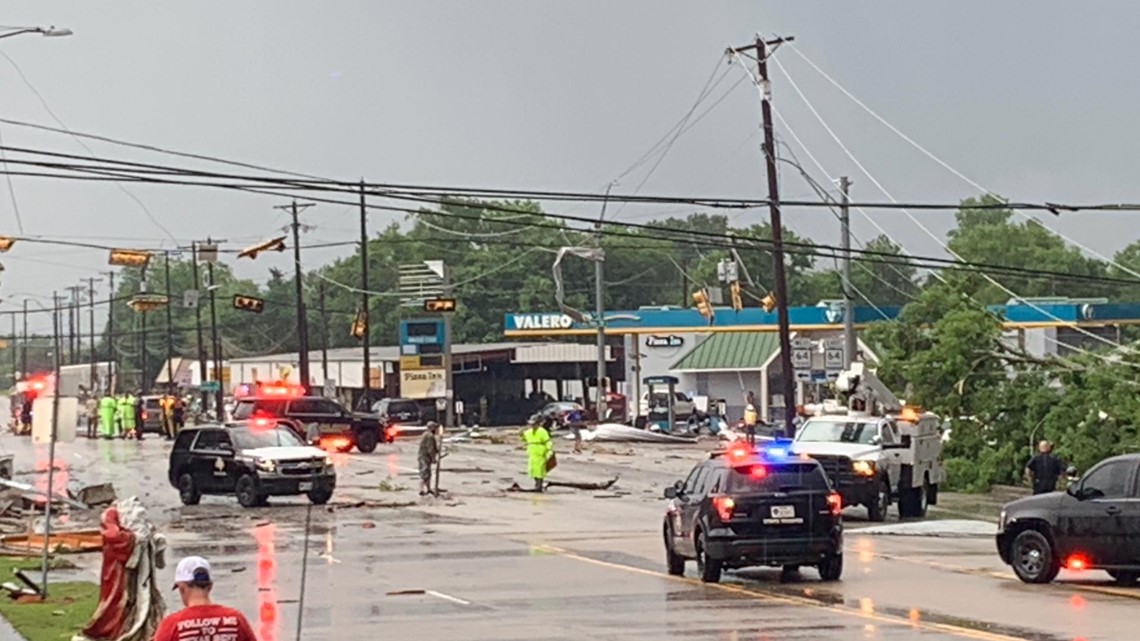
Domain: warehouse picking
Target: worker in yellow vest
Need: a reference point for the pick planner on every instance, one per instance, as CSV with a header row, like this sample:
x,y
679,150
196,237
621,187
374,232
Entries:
x,y
540,454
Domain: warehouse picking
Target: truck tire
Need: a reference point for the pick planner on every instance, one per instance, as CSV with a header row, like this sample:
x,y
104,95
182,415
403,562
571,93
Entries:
x,y
912,503
831,568
877,511
674,563
246,492
932,495
366,440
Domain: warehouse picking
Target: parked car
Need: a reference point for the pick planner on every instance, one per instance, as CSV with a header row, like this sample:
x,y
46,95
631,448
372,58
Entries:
x,y
683,406
557,411
402,416
1093,525
250,463
152,414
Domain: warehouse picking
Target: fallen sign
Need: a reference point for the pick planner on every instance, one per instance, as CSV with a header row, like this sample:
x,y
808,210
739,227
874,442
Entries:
x,y
58,542
24,487
616,432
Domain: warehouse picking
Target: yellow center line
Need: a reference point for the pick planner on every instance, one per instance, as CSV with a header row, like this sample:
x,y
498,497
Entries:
x,y
981,635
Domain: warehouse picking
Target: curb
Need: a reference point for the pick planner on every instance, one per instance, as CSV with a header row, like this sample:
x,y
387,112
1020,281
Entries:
x,y
8,633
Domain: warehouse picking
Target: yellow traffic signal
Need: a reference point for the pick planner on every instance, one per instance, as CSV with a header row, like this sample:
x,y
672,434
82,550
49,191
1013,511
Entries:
x,y
701,298
769,303
148,302
129,258
359,325
275,245
6,243
249,303
439,305
737,298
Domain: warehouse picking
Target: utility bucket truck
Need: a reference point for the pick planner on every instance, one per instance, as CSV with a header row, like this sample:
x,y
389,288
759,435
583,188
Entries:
x,y
876,450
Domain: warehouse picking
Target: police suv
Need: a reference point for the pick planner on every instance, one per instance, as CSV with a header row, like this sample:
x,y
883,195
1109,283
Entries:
x,y
747,507
251,461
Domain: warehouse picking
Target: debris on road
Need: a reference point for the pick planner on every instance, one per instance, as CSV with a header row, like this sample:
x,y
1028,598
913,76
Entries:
x,y
97,495
29,489
605,485
618,433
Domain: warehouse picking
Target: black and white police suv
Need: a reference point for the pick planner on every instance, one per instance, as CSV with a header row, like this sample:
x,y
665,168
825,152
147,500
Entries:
x,y
251,461
747,507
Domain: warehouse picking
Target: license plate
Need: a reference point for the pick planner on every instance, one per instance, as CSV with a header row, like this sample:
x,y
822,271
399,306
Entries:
x,y
305,486
783,511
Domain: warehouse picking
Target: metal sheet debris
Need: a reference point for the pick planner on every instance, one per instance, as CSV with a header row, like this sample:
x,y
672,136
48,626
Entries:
x,y
618,433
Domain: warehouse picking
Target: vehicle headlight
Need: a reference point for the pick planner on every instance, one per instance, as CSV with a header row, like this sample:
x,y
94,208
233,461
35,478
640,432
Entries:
x,y
863,468
1001,522
328,464
266,465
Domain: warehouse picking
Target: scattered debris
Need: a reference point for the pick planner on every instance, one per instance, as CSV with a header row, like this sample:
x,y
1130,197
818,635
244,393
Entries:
x,y
467,470
405,592
97,495
389,485
605,485
67,542
24,487
368,525
618,433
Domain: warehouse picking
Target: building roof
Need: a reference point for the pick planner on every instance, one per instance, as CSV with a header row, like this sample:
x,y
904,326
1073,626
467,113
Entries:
x,y
736,351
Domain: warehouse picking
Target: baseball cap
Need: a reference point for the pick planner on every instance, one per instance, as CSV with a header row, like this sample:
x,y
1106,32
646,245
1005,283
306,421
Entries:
x,y
193,570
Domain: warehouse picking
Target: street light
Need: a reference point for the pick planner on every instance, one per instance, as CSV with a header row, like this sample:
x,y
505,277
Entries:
x,y
47,32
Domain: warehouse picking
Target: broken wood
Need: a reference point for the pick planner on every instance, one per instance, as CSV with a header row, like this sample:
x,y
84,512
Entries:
x,y
58,542
605,485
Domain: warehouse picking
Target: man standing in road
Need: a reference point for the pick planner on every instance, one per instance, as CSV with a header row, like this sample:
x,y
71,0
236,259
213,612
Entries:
x,y
92,407
428,456
1044,469
201,618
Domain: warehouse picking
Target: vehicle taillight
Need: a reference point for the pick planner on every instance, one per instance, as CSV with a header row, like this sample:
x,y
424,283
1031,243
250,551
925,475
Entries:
x,y
758,472
724,507
258,423
835,503
335,443
1077,562
144,415
390,432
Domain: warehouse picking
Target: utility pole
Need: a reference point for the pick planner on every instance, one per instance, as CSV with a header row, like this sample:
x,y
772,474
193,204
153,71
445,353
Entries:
x,y
91,326
760,47
24,343
302,317
169,327
12,349
111,361
72,308
202,375
324,335
849,344
142,336
366,345
600,308
219,393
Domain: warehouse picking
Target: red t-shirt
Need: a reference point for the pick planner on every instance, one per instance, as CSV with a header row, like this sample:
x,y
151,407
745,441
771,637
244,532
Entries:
x,y
205,623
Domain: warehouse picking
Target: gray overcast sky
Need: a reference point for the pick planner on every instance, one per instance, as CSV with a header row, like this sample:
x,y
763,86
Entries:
x,y
1032,99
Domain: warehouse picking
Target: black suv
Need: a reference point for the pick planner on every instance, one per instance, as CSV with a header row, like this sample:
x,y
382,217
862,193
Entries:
x,y
252,462
748,507
318,420
1094,524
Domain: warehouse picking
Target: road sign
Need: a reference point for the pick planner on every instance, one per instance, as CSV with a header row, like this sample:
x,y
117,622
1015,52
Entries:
x,y
801,343
833,359
440,404
801,358
211,386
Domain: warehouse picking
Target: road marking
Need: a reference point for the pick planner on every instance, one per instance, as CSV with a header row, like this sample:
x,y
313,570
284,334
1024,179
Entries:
x,y
448,597
791,600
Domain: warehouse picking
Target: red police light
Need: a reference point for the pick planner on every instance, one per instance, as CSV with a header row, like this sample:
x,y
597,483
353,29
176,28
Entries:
x,y
758,472
724,507
261,423
1077,562
281,389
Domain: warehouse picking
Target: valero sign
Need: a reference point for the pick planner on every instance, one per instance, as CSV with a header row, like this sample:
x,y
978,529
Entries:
x,y
540,321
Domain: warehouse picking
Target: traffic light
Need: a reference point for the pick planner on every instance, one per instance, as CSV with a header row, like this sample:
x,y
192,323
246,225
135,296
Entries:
x,y
701,298
249,303
275,245
360,325
769,303
439,305
6,243
737,298
129,258
148,302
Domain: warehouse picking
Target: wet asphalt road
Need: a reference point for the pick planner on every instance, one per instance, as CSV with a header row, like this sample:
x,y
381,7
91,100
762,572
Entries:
x,y
568,565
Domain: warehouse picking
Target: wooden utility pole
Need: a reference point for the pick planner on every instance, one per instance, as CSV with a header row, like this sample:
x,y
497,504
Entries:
x,y
761,48
366,397
849,342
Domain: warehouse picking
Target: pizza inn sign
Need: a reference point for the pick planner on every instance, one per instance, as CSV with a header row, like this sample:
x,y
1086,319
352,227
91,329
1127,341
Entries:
x,y
671,340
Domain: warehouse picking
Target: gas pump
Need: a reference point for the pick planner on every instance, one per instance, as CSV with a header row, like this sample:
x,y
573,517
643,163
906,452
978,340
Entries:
x,y
654,384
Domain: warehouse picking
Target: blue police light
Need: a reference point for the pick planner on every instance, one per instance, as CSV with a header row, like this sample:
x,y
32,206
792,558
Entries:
x,y
778,449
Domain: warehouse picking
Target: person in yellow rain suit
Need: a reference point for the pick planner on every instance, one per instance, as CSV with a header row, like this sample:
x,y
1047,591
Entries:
x,y
539,451
107,408
127,415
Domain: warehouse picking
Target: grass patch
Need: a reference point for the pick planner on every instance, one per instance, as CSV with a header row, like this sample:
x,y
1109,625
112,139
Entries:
x,y
67,610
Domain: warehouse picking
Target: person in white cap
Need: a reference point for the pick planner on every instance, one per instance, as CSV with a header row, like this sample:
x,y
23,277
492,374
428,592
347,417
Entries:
x,y
201,618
